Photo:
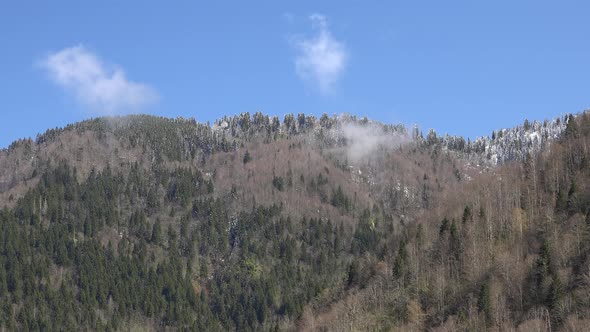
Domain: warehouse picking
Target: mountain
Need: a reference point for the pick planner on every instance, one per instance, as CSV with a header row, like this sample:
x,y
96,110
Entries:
x,y
257,223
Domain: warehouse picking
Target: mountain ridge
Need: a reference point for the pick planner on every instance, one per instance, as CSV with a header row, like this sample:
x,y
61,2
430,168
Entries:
x,y
228,133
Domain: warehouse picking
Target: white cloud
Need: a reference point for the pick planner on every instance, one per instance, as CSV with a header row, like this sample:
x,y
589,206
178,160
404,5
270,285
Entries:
x,y
321,59
364,140
101,88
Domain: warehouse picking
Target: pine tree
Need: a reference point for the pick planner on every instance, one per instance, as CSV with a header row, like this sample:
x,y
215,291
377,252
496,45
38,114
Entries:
x,y
572,199
401,262
247,157
553,300
484,302
353,274
467,215
157,233
527,125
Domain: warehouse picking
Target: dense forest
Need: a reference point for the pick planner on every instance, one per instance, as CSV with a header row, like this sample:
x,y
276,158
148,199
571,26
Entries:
x,y
257,223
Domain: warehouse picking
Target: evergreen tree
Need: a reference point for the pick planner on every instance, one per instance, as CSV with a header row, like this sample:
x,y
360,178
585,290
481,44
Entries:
x,y
157,233
247,157
484,302
400,263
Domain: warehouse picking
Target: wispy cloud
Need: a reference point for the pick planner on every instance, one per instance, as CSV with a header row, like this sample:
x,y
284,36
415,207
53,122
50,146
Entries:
x,y
102,88
321,59
364,140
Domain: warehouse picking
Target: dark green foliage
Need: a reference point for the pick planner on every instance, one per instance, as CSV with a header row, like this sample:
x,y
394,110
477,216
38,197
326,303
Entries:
x,y
484,302
157,233
316,186
353,274
366,236
278,182
467,215
247,157
455,243
400,264
185,184
527,125
572,198
561,201
241,295
542,274
444,226
571,130
555,295
340,200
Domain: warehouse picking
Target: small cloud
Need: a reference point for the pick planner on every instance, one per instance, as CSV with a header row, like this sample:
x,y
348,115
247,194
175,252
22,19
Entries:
x,y
321,59
101,88
364,140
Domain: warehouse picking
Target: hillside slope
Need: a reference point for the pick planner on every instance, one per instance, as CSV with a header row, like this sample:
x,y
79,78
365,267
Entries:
x,y
260,224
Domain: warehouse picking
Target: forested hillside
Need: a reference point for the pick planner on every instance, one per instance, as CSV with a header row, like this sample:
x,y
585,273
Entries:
x,y
257,223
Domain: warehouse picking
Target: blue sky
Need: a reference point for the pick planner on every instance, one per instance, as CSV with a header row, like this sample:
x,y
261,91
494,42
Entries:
x,y
462,67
